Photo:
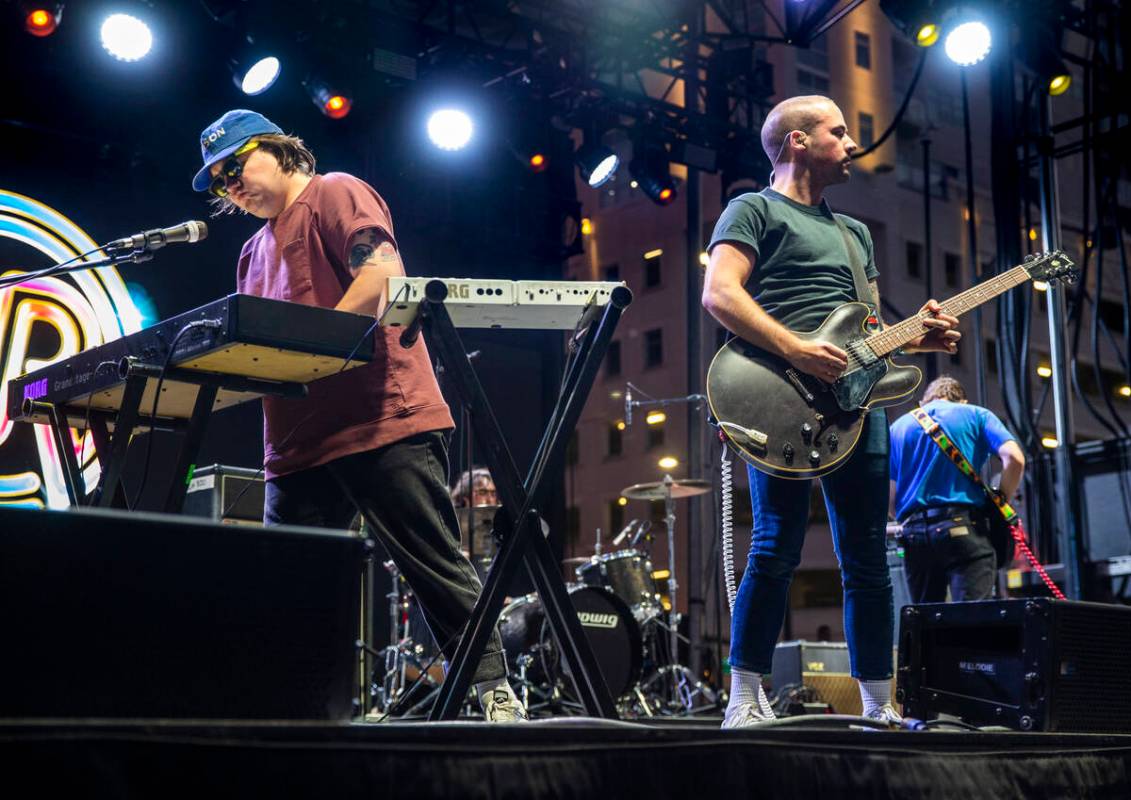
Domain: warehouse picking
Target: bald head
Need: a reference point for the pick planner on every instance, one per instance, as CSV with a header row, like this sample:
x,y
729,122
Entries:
x,y
795,114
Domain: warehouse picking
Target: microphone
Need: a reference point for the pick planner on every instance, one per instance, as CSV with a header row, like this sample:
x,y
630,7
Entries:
x,y
620,537
627,405
192,231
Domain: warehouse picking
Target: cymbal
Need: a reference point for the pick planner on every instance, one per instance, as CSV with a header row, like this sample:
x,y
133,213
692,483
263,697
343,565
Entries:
x,y
576,560
658,490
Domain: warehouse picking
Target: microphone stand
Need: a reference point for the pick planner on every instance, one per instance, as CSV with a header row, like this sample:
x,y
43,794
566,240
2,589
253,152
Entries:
x,y
130,257
693,399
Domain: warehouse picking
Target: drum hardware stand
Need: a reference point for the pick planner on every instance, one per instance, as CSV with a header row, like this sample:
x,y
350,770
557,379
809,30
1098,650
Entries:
x,y
518,520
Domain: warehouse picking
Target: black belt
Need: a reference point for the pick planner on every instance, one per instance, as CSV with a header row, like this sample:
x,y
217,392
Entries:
x,y
935,513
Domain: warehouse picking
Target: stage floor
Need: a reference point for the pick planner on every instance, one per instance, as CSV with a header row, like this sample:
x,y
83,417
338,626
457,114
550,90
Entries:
x,y
560,758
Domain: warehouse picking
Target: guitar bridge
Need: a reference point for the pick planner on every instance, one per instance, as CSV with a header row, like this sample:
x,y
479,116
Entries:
x,y
745,437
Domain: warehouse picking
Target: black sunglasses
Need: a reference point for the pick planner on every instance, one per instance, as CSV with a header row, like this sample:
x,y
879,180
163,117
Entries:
x,y
231,171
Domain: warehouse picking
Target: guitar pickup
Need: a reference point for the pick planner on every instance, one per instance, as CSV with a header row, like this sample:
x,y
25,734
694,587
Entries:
x,y
745,437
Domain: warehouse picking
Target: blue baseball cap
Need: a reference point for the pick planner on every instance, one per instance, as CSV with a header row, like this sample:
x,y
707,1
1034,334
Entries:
x,y
227,135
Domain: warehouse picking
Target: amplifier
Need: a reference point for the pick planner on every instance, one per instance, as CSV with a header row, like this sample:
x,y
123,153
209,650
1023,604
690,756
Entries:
x,y
1032,665
232,495
822,667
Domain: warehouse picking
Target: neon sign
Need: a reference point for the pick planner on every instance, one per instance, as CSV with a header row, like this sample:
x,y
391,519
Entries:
x,y
43,321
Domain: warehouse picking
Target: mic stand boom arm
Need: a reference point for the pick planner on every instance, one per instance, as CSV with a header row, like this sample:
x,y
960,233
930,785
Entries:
x,y
133,257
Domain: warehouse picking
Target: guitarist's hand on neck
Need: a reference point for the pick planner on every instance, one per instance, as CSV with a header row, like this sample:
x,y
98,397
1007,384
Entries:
x,y
941,335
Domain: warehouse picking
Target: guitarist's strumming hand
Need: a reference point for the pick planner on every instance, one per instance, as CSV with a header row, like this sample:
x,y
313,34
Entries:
x,y
942,332
819,359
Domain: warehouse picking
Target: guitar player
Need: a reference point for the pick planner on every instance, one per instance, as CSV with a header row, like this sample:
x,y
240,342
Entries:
x,y
779,263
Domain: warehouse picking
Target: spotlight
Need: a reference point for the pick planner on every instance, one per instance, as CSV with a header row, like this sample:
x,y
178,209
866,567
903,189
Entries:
x,y
1039,52
450,129
126,38
42,20
651,170
915,18
257,78
968,43
1059,84
537,162
597,163
333,102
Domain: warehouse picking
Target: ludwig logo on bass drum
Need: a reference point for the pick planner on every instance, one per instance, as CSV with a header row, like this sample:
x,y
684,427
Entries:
x,y
593,619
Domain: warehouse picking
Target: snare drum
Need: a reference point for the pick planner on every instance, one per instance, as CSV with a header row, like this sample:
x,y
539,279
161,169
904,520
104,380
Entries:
x,y
628,575
609,626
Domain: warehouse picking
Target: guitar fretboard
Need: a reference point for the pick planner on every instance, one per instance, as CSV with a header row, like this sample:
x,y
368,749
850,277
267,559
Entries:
x,y
902,333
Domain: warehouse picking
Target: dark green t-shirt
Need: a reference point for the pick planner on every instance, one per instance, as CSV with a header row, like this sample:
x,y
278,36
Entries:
x,y
801,272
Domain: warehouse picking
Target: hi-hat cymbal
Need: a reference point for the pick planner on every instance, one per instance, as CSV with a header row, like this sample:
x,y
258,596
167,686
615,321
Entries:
x,y
658,490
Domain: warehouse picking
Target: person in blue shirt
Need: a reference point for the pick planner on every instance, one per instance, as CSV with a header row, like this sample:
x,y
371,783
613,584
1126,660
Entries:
x,y
943,513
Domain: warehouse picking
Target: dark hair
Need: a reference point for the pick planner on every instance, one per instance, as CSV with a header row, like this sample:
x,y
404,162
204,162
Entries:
x,y
291,153
944,387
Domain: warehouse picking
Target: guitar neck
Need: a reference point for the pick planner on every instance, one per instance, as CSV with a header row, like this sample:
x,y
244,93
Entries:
x,y
892,338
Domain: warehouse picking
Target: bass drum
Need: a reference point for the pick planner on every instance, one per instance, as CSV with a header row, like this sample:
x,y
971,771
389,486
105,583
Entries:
x,y
609,625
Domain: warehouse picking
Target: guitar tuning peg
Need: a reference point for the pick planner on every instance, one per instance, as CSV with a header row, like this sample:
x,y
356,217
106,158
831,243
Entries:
x,y
1030,257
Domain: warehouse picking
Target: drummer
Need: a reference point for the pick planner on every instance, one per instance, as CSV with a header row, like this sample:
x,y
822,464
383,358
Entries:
x,y
482,489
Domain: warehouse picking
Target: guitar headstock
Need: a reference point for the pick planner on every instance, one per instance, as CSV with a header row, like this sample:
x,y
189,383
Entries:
x,y
1050,267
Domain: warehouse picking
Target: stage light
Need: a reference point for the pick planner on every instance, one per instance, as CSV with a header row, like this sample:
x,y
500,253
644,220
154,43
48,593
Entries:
x,y
126,38
1040,286
704,259
968,43
622,501
620,425
332,102
655,417
668,462
597,163
586,226
927,35
659,251
651,170
1059,84
43,20
1049,442
537,162
450,129
1044,371
259,77
1125,391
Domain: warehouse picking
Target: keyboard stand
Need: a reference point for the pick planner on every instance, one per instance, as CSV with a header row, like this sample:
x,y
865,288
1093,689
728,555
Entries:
x,y
517,524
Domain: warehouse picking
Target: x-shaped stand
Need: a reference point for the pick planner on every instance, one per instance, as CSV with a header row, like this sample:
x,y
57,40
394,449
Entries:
x,y
518,519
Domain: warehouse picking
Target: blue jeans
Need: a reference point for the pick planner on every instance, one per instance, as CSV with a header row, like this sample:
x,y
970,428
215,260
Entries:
x,y
856,496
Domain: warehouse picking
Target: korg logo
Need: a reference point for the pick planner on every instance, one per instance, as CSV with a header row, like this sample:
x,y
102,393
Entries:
x,y
592,619
460,290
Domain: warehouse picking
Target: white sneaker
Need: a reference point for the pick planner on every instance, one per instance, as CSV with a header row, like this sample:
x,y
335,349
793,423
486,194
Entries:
x,y
747,715
885,713
502,706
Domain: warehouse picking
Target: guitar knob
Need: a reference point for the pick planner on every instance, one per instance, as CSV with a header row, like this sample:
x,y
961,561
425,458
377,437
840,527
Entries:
x,y
806,433
833,442
814,457
787,452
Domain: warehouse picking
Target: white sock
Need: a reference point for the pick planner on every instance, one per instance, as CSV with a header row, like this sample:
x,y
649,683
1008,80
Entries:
x,y
875,695
746,687
485,688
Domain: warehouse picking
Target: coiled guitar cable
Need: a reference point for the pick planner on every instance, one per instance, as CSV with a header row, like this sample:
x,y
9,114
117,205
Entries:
x,y
726,519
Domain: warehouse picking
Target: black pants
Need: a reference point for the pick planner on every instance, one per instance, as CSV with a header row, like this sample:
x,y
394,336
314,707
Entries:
x,y
953,550
401,489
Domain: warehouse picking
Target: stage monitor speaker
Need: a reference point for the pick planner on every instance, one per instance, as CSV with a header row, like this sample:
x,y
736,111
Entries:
x,y
109,614
822,667
1032,665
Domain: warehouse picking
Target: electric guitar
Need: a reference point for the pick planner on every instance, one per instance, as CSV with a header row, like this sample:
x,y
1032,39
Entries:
x,y
787,423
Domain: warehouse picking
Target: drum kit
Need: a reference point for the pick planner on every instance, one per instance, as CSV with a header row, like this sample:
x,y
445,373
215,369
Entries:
x,y
633,632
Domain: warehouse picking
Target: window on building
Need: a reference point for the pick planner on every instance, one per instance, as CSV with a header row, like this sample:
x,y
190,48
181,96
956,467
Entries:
x,y
812,83
612,272
615,440
867,132
656,436
990,355
863,50
913,258
616,516
612,359
652,271
952,268
654,348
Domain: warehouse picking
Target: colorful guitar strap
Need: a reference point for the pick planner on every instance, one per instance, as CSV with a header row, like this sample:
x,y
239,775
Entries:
x,y
935,431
